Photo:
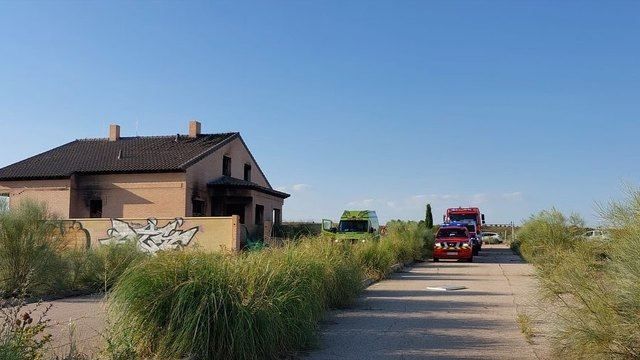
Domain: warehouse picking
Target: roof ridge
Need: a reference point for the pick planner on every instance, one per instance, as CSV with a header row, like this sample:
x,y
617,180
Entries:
x,y
39,154
209,151
155,136
137,154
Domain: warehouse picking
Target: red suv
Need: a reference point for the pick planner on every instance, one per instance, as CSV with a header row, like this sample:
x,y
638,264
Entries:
x,y
453,242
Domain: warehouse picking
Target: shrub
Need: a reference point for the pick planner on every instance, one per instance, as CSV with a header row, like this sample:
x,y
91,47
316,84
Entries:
x,y
104,265
376,257
296,230
547,234
30,249
594,286
256,305
259,304
23,335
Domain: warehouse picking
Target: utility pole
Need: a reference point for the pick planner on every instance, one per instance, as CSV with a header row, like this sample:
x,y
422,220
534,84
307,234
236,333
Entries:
x,y
512,232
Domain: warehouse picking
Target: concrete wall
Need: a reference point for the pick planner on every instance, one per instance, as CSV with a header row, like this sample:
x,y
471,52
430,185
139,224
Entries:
x,y
56,193
160,195
205,233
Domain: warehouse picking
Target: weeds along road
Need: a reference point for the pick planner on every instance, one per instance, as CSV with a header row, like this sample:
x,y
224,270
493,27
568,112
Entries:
x,y
400,319
397,318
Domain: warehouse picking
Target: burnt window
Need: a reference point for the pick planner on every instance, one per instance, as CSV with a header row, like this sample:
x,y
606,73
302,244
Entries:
x,y
4,202
198,207
247,172
235,209
259,214
95,208
226,166
277,216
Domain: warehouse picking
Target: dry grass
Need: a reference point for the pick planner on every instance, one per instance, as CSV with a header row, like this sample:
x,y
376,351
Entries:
x,y
526,327
259,305
594,286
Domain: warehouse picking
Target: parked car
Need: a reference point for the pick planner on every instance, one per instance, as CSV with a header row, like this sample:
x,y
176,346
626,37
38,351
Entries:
x,y
491,238
596,234
453,242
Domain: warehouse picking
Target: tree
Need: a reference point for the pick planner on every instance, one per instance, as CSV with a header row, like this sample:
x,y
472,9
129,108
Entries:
x,y
429,217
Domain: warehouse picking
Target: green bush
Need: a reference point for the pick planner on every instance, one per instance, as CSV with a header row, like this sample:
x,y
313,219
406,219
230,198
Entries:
x,y
547,234
98,269
376,257
34,258
593,286
30,251
296,230
256,305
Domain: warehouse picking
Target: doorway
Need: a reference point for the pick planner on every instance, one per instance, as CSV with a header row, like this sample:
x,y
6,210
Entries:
x,y
235,209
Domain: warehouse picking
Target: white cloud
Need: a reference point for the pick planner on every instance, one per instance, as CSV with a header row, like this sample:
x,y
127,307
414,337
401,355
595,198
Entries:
x,y
300,187
512,196
362,203
294,188
478,199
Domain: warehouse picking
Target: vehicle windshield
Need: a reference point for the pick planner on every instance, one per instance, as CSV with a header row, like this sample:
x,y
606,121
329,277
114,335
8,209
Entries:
x,y
451,233
353,226
471,228
462,217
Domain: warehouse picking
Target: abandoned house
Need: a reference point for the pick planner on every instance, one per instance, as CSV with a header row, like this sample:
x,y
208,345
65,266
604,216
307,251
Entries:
x,y
148,176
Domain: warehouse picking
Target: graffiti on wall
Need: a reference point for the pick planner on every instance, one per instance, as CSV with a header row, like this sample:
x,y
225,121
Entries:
x,y
151,238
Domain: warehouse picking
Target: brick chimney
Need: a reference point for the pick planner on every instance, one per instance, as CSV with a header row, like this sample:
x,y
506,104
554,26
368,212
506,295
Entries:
x,y
114,132
194,128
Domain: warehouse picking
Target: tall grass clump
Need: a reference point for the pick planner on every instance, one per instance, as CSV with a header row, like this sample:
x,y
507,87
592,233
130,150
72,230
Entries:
x,y
548,234
404,243
594,286
176,305
261,304
97,269
252,306
29,250
376,257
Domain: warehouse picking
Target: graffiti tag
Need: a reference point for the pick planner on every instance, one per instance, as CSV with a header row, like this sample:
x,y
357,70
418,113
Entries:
x,y
151,238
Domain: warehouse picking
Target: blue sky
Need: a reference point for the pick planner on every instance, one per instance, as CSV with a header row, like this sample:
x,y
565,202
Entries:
x,y
513,106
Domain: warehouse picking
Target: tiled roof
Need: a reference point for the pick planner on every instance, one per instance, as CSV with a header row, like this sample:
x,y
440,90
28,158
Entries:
x,y
229,182
126,155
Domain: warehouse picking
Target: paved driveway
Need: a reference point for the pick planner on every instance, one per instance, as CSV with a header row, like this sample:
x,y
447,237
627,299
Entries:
x,y
400,319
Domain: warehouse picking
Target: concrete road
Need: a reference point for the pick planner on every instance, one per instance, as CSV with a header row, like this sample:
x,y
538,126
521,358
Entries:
x,y
400,319
87,314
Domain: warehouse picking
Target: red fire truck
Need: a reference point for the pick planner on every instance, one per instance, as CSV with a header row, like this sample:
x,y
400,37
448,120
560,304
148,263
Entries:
x,y
474,220
464,215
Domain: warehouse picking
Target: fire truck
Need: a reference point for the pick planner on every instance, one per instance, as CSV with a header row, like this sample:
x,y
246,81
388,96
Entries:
x,y
470,216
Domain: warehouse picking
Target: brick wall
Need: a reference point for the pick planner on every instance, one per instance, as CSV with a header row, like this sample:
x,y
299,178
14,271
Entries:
x,y
210,234
56,193
131,195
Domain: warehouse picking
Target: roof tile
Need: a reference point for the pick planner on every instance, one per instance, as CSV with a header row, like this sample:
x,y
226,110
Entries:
x,y
126,155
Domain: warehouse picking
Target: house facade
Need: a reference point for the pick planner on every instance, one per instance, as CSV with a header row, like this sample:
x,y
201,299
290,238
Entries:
x,y
148,177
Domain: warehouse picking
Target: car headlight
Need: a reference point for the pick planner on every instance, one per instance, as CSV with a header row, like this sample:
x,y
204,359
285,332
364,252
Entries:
x,y
438,245
465,246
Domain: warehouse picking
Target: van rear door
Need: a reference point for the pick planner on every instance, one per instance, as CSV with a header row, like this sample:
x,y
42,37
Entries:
x,y
327,225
